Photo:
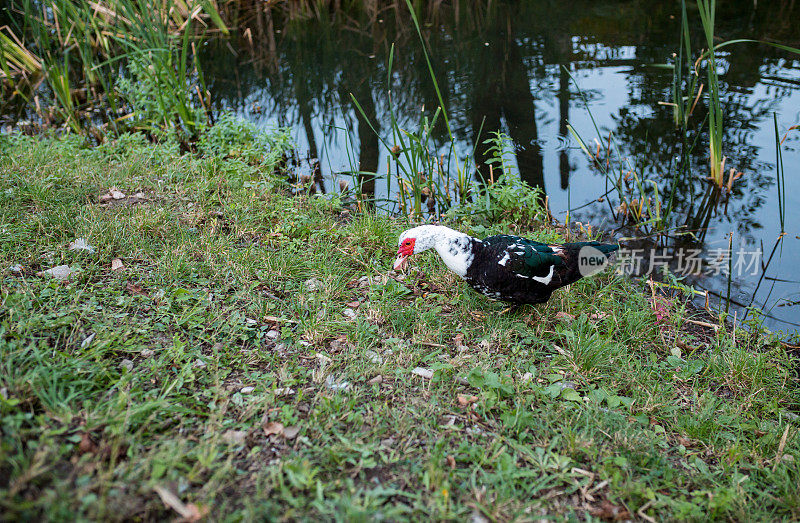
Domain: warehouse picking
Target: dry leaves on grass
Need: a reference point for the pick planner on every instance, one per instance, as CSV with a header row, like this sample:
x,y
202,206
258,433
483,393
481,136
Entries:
x,y
608,510
116,265
87,445
276,428
112,194
135,289
464,399
189,512
234,437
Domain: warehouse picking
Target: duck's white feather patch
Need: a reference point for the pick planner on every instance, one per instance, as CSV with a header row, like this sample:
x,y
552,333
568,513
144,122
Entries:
x,y
505,259
547,279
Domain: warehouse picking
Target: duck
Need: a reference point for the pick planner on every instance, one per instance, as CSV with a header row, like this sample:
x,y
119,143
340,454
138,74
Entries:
x,y
504,267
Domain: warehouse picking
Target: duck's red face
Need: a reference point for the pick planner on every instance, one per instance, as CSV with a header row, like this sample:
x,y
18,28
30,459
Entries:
x,y
405,250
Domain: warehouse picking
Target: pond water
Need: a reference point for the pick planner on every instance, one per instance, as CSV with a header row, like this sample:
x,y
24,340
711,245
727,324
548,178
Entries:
x,y
519,67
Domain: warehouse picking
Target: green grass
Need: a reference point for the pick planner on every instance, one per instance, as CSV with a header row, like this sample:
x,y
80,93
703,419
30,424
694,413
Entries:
x,y
577,418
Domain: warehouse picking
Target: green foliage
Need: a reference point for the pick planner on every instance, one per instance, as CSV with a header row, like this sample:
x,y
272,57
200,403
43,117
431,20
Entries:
x,y
508,200
153,96
233,138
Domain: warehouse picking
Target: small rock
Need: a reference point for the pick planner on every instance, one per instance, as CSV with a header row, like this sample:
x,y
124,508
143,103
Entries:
x,y
16,268
146,353
251,322
87,340
116,264
126,364
272,334
247,390
234,437
423,372
60,272
313,284
116,193
374,357
788,458
354,304
80,244
527,377
377,380
304,343
350,313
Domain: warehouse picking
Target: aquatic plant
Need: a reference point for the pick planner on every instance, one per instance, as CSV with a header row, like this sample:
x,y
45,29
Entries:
x,y
102,60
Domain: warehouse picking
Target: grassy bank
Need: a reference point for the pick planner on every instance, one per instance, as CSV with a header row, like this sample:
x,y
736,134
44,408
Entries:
x,y
254,356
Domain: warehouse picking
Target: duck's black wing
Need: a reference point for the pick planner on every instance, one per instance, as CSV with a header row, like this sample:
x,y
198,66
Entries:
x,y
519,270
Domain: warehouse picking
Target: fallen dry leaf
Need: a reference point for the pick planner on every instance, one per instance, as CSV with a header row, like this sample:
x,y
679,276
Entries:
x,y
354,304
135,289
112,194
116,264
234,436
607,510
189,512
561,315
376,380
290,432
273,427
87,445
465,400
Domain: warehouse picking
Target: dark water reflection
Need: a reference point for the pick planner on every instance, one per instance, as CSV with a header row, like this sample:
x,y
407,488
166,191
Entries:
x,y
506,66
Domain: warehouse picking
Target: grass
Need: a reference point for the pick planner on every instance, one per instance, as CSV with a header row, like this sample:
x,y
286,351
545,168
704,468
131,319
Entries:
x,y
175,386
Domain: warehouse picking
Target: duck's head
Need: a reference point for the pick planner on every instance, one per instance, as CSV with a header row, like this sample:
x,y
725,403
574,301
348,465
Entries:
x,y
417,240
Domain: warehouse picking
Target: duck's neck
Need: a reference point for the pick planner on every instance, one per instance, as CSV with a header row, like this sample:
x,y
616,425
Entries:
x,y
455,248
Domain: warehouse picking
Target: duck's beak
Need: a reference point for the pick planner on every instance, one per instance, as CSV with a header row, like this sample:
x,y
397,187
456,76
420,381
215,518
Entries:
x,y
401,261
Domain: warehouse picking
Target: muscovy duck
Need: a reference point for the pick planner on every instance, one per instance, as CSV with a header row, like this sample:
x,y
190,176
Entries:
x,y
504,267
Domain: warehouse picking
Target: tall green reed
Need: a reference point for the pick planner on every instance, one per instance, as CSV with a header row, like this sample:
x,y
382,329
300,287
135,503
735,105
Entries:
x,y
780,175
707,10
84,47
423,173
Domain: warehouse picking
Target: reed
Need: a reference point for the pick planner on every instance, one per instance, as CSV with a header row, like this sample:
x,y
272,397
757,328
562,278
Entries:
x,y
780,175
707,10
423,173
81,48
